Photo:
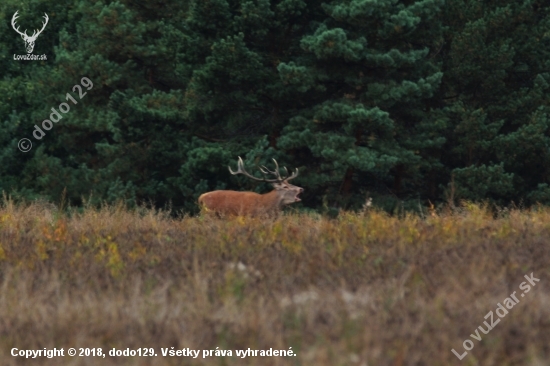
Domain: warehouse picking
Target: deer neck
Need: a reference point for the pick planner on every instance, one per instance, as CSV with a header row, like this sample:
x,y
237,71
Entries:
x,y
273,198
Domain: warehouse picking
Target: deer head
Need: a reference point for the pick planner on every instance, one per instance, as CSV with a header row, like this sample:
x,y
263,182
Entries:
x,y
287,192
29,40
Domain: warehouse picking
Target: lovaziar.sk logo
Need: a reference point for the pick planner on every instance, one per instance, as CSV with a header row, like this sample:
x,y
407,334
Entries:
x,y
29,40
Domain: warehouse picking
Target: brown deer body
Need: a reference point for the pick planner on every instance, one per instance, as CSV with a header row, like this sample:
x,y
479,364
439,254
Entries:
x,y
234,203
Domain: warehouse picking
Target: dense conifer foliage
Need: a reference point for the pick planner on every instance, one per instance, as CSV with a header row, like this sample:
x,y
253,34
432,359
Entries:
x,y
403,101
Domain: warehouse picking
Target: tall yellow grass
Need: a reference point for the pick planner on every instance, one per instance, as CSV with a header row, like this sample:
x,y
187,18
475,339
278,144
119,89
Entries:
x,y
362,289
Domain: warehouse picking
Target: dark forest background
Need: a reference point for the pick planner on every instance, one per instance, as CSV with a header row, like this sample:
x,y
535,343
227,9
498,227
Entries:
x,y
407,102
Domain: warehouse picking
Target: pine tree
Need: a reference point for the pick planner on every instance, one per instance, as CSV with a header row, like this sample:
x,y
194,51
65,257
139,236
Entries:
x,y
365,77
496,63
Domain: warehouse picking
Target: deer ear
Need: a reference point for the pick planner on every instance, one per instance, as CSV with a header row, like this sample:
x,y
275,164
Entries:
x,y
23,36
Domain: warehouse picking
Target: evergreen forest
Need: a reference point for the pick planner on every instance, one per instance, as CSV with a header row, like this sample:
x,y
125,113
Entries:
x,y
409,102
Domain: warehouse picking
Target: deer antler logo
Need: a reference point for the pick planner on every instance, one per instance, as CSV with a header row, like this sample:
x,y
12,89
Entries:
x,y
29,40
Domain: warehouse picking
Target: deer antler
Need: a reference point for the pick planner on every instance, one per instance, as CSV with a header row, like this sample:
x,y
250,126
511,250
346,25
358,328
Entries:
x,y
264,170
294,175
15,16
276,172
43,26
24,34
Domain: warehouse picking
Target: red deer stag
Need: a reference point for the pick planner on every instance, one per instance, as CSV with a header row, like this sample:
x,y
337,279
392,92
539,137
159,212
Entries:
x,y
251,203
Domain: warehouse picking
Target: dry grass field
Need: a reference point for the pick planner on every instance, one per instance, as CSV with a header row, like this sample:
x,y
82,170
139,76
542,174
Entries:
x,y
361,289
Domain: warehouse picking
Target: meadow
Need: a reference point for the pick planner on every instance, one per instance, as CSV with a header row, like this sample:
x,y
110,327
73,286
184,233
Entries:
x,y
360,289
